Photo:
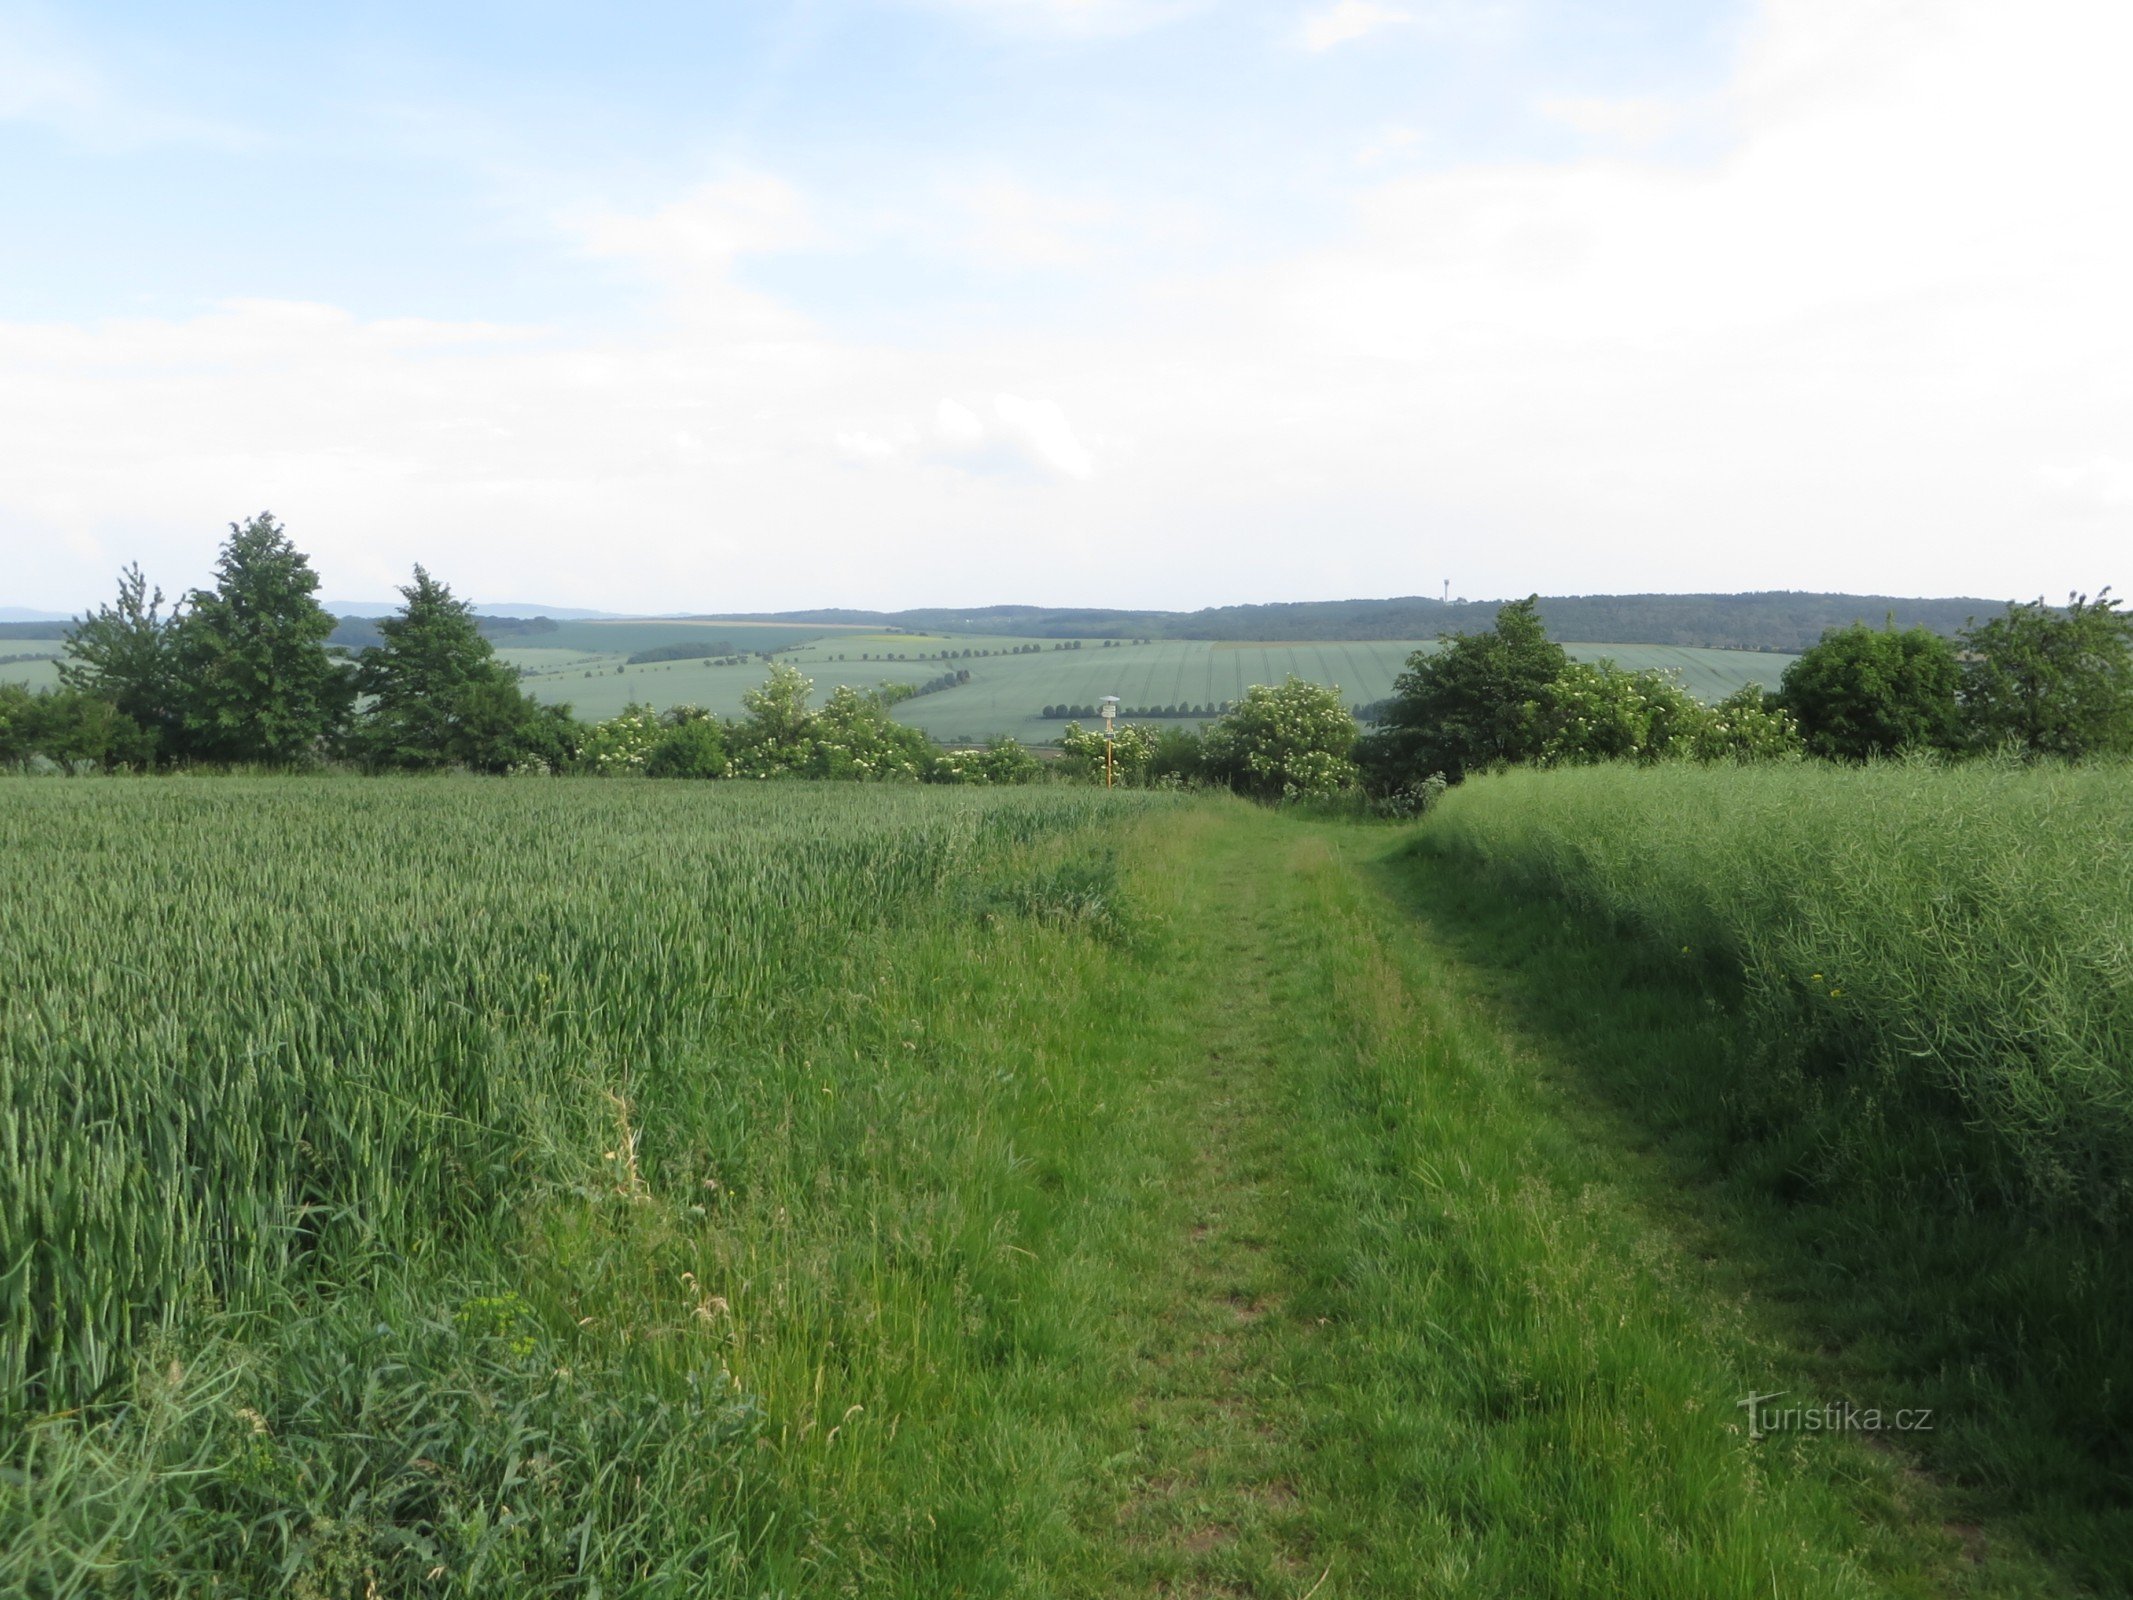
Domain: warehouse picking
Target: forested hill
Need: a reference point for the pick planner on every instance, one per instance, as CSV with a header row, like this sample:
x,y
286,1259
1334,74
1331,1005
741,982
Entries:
x,y
1779,620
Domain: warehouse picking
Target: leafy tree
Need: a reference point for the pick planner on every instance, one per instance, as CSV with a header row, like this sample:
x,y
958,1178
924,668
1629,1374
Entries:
x,y
2052,682
1864,691
438,695
1285,742
122,654
1470,704
255,681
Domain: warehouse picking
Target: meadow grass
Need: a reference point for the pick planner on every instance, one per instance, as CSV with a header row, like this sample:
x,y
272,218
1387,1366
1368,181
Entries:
x,y
1877,1020
445,1187
1911,941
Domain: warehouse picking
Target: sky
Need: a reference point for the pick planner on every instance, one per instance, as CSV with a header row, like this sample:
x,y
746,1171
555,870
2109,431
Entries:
x,y
879,303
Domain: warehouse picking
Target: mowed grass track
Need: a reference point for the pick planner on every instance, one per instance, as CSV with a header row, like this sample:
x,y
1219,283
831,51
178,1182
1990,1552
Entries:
x,y
708,1190
1009,687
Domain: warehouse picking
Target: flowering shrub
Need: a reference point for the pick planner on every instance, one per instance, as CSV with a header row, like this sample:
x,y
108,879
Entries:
x,y
1082,754
1004,761
1745,726
853,736
622,744
1289,742
1598,712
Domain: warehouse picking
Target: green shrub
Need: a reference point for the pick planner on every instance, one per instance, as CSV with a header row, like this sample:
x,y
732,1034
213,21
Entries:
x,y
693,748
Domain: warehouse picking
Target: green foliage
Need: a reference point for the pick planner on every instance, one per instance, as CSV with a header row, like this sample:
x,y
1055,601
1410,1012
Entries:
x,y
1179,756
440,698
2052,682
1132,754
122,655
1294,741
1864,692
1471,705
1747,725
254,681
1598,712
854,737
621,746
71,728
1932,958
693,746
1002,761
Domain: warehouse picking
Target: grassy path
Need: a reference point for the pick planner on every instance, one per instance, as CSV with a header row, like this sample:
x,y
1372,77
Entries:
x,y
1394,1320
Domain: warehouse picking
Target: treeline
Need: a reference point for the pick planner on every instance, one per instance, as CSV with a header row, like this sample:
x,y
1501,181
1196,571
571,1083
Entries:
x,y
241,674
686,652
1781,621
2037,680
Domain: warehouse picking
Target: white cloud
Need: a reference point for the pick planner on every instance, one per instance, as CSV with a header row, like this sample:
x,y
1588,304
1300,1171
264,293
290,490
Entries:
x,y
1009,223
1074,18
1633,123
1346,21
1881,342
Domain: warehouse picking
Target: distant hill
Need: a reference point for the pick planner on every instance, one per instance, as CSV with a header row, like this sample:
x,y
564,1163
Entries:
x,y
1782,621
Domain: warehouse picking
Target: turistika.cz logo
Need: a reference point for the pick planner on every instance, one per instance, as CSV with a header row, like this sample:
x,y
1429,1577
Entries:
x,y
1831,1416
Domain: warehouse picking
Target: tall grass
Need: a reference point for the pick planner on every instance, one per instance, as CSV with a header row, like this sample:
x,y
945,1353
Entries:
x,y
370,1152
1936,962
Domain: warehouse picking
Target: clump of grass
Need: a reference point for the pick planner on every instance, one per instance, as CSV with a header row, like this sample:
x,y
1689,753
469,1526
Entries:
x,y
1936,962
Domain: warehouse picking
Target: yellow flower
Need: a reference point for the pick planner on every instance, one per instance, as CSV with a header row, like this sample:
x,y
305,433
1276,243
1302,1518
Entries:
x,y
1836,994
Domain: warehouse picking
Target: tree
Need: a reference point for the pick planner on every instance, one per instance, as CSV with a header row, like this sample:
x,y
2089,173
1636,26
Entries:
x,y
122,655
1470,704
255,682
2053,683
1864,691
1285,742
438,695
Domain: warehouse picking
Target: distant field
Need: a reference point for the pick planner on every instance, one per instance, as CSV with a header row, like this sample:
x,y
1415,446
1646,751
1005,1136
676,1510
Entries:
x,y
1008,691
37,674
585,665
620,638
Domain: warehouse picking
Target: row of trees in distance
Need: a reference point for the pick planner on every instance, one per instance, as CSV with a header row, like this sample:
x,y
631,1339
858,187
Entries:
x,y
2038,680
